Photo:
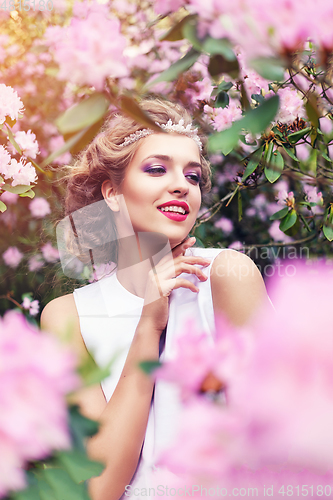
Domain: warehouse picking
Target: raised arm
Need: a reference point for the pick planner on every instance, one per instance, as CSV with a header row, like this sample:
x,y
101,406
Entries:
x,y
124,418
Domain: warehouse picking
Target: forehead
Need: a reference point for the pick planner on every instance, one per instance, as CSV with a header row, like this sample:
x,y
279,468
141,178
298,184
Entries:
x,y
179,147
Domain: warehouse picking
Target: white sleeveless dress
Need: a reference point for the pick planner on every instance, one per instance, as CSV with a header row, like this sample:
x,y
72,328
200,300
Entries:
x,y
109,315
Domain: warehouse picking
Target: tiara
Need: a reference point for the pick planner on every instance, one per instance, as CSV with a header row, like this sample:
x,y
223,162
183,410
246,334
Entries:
x,y
179,128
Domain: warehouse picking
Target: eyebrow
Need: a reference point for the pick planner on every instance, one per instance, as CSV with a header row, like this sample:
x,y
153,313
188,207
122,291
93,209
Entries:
x,y
169,158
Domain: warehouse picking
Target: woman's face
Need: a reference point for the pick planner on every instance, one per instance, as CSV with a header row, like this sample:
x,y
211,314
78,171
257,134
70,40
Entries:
x,y
161,186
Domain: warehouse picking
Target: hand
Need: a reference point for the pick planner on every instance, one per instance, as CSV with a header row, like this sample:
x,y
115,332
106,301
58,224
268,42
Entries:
x,y
163,279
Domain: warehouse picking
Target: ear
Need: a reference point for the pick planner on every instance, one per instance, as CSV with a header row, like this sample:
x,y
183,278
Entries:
x,y
110,196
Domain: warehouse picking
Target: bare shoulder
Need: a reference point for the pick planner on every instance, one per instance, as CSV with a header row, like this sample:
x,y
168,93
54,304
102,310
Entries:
x,y
60,317
237,286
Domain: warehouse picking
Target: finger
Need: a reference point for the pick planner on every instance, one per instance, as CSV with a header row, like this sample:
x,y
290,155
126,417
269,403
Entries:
x,y
185,268
183,283
180,249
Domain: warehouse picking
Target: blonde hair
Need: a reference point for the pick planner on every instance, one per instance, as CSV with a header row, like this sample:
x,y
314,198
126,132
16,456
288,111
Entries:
x,y
104,159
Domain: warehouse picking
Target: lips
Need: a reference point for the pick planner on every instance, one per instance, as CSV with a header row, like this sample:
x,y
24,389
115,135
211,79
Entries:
x,y
176,203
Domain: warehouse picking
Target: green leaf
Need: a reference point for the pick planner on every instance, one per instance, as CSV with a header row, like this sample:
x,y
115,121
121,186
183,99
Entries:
x,y
280,214
296,136
31,493
79,466
325,155
29,194
177,68
258,98
3,206
12,140
252,165
224,141
255,121
258,119
290,152
190,32
85,426
268,151
16,189
220,46
224,86
288,221
149,366
328,232
222,100
312,110
132,109
275,168
63,487
90,372
83,114
45,491
269,68
64,148
219,64
176,32
87,137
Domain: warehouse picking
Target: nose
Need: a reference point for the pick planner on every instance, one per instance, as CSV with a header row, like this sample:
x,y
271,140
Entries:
x,y
179,183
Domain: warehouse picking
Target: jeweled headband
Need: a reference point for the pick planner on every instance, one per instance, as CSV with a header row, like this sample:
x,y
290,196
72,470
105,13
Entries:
x,y
179,128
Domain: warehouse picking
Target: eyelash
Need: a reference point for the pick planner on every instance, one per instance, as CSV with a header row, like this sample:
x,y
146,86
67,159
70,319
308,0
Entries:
x,y
156,170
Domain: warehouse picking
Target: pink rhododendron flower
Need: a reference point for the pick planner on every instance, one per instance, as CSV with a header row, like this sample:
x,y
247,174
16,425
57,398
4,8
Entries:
x,y
225,225
21,173
50,253
276,233
276,423
27,142
31,305
10,103
34,369
303,151
84,56
326,125
9,198
222,118
5,160
164,6
237,245
285,199
12,257
56,143
39,207
291,106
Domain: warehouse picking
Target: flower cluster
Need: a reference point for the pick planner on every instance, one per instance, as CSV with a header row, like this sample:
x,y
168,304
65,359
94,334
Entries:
x,y
35,375
84,56
278,378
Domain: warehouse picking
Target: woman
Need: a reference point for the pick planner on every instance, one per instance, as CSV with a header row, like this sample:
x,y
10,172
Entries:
x,y
151,183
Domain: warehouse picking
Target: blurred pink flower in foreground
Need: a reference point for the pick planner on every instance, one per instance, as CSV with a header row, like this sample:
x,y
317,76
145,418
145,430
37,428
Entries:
x,y
277,423
39,207
84,56
12,257
10,103
35,375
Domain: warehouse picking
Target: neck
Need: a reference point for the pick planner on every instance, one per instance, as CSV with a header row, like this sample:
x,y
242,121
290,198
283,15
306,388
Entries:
x,y
137,255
